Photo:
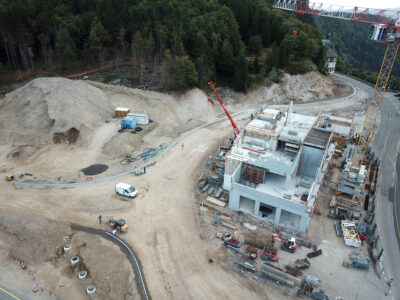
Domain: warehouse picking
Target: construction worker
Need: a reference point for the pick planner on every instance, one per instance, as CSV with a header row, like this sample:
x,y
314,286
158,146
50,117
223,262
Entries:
x,y
99,220
144,170
389,284
183,145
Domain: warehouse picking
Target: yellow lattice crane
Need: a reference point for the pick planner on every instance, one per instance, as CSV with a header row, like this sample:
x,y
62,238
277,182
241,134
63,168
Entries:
x,y
385,29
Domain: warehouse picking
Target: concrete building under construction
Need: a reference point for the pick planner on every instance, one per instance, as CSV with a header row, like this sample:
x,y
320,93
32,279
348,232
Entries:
x,y
276,166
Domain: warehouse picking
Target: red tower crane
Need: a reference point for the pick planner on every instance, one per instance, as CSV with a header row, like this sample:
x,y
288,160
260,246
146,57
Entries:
x,y
235,129
385,28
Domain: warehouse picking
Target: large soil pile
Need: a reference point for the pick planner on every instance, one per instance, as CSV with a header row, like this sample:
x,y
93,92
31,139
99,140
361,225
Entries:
x,y
301,88
52,109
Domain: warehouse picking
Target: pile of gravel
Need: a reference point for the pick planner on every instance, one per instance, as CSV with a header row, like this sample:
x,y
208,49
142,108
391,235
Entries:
x,y
58,108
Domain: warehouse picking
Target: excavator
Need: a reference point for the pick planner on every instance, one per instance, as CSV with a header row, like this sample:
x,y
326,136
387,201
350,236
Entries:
x,y
289,245
119,225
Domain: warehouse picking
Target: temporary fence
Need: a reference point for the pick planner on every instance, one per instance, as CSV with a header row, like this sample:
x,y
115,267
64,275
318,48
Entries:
x,y
36,286
70,76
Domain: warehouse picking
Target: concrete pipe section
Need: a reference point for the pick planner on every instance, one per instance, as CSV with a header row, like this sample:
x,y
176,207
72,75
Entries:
x,y
82,274
133,259
67,248
91,289
74,260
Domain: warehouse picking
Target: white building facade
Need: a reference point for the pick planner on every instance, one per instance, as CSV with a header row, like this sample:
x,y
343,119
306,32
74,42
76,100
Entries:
x,y
276,166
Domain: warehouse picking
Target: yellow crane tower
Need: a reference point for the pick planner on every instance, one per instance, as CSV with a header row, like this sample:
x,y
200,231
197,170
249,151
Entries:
x,y
385,29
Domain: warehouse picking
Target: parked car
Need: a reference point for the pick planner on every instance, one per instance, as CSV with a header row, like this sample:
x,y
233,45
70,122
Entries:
x,y
125,189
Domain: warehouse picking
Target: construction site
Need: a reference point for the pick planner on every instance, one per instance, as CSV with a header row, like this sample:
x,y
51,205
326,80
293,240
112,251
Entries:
x,y
110,192
287,191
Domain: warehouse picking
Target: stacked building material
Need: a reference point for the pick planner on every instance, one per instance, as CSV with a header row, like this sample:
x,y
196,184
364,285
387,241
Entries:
x,y
359,262
302,264
350,234
215,202
312,281
276,274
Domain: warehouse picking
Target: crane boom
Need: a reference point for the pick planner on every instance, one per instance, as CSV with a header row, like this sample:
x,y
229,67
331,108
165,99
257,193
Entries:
x,y
385,28
359,14
235,129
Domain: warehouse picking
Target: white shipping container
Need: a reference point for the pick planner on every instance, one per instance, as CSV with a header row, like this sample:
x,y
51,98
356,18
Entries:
x,y
141,119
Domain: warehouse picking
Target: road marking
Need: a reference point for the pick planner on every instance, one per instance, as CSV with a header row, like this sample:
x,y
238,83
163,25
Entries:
x,y
390,276
380,176
377,203
8,293
398,146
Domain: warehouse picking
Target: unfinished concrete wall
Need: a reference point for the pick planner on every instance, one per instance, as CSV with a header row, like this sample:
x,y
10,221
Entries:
x,y
240,192
231,166
310,161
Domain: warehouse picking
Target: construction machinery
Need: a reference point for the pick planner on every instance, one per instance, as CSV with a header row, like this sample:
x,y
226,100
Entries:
x,y
289,245
229,240
385,29
253,253
117,224
10,177
235,128
270,255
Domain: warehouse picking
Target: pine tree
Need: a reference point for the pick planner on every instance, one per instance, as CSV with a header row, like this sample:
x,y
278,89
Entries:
x,y
240,79
97,39
226,62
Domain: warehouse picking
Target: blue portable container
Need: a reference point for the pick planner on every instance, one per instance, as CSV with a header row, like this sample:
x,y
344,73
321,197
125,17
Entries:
x,y
128,122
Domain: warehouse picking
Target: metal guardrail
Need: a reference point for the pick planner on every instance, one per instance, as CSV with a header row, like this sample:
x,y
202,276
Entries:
x,y
365,82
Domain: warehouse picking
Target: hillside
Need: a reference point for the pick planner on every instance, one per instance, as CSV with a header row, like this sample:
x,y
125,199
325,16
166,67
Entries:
x,y
174,44
351,41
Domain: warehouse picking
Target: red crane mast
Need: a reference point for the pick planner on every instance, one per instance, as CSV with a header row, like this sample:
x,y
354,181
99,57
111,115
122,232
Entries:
x,y
235,128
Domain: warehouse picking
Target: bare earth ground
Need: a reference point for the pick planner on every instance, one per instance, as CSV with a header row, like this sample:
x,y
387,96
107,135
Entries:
x,y
163,221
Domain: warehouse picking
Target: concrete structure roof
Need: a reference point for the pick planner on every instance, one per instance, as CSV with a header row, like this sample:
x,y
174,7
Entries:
x,y
297,127
317,137
339,125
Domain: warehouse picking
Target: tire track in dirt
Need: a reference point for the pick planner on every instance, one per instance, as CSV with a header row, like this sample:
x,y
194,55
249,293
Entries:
x,y
135,262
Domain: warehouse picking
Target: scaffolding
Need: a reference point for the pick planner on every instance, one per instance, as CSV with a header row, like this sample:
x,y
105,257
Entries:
x,y
252,174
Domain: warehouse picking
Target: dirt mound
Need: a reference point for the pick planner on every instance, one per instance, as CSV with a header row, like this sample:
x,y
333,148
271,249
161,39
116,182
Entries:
x,y
301,88
56,108
123,143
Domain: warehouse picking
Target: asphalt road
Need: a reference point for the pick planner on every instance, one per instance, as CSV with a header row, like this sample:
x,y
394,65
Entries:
x,y
386,144
6,294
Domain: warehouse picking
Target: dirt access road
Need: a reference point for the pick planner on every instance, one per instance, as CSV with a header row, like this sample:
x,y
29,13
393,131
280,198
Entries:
x,y
163,223
165,232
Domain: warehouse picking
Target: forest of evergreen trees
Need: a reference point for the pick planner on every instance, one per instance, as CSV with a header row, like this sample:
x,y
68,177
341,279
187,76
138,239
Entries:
x,y
199,40
360,56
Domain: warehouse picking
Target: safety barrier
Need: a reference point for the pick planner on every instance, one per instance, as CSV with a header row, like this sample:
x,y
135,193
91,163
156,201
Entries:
x,y
70,76
36,287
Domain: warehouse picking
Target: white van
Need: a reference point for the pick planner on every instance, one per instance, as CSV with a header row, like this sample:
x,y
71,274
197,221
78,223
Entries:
x,y
125,189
